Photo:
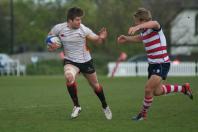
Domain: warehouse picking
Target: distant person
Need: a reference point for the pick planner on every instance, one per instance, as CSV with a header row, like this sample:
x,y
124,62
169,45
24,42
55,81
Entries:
x,y
152,36
77,58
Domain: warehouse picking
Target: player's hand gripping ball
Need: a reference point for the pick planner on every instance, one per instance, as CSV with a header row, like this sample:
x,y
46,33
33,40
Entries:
x,y
53,42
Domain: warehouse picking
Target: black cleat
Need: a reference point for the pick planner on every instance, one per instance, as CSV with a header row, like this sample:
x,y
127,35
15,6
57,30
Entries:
x,y
141,116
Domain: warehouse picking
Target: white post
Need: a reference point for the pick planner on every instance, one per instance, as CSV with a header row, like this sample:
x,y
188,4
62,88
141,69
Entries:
x,y
17,68
196,64
8,69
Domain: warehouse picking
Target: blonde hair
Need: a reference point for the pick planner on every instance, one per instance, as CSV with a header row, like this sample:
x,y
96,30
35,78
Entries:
x,y
142,14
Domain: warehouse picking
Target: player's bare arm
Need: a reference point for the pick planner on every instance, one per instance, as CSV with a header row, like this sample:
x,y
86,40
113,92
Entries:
x,y
124,39
145,25
100,38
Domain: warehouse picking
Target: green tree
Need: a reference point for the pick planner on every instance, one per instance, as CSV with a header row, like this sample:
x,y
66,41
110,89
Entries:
x,y
118,18
4,26
33,20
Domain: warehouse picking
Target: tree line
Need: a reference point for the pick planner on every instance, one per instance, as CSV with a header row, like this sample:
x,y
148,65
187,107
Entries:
x,y
34,18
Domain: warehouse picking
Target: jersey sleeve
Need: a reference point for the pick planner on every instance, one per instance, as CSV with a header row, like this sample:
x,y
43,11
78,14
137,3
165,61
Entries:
x,y
55,30
88,31
157,30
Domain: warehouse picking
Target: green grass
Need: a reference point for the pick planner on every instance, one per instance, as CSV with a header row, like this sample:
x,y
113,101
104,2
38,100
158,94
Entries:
x,y
42,104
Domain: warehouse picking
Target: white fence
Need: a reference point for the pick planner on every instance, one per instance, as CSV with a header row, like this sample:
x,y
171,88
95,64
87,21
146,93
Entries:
x,y
140,69
13,68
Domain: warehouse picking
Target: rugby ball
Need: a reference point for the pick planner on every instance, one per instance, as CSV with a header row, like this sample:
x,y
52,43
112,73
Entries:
x,y
52,39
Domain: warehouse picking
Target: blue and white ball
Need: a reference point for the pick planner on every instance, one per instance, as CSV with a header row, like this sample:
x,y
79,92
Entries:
x,y
52,39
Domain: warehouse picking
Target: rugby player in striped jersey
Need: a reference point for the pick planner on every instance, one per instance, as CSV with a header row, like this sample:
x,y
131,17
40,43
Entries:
x,y
152,36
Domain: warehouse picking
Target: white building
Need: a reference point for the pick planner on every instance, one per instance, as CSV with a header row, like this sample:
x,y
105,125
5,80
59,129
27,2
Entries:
x,y
184,32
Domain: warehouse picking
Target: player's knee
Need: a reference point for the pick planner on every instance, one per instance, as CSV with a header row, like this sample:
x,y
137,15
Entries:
x,y
158,92
69,77
94,84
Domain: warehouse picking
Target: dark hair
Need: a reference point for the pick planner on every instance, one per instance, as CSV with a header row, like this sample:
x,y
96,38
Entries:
x,y
74,12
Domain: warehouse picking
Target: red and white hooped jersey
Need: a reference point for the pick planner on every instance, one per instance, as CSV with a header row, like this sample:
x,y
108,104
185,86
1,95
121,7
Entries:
x,y
155,46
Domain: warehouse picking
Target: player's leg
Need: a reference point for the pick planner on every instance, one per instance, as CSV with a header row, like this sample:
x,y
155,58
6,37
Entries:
x,y
93,81
161,89
98,89
169,88
158,90
70,72
150,86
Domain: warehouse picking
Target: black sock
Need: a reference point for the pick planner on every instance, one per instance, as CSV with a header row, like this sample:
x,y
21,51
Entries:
x,y
101,96
72,89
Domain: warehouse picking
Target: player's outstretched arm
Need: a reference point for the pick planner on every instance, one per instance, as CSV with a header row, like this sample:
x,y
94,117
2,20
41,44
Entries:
x,y
100,38
124,39
150,24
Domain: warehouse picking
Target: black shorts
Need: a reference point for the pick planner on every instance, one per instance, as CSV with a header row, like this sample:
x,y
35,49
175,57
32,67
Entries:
x,y
86,67
159,69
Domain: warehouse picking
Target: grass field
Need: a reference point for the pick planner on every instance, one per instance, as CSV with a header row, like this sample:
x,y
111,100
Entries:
x,y
42,104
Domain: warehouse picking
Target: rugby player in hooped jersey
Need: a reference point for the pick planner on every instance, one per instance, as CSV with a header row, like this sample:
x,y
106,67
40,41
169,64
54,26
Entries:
x,y
77,59
154,41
